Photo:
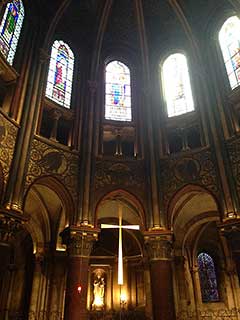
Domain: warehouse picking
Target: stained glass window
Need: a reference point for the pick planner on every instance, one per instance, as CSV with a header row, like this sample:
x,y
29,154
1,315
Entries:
x,y
118,92
60,74
176,85
208,279
229,39
10,29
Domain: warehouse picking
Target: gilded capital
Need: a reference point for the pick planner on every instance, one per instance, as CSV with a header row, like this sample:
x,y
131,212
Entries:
x,y
10,225
159,245
79,240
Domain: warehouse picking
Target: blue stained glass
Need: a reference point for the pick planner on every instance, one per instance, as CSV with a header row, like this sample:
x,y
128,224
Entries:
x,y
118,92
208,279
10,29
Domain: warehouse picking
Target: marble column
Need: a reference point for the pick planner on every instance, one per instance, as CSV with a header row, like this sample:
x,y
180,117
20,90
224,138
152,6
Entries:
x,y
79,241
160,255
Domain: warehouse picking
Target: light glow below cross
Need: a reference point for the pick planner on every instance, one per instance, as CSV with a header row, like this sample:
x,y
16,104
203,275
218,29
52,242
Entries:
x,y
120,253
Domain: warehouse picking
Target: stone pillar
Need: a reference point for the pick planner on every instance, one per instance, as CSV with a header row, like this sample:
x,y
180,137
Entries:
x,y
79,241
159,246
55,116
230,240
160,254
37,292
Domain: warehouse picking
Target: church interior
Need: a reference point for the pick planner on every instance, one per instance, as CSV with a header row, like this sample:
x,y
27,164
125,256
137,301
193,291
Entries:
x,y
119,159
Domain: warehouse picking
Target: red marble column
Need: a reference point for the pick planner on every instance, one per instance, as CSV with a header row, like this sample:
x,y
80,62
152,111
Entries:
x,y
76,292
159,248
79,243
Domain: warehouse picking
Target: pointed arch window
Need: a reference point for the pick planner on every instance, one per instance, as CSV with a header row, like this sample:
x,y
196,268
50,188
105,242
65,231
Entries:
x,y
60,74
208,278
176,85
229,39
10,29
117,92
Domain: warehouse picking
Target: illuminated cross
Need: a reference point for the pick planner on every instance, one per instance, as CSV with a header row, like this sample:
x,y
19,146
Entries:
x,y
120,254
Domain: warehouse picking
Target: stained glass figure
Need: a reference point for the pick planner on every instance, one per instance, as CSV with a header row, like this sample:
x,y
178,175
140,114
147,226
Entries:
x,y
229,39
118,92
208,279
10,29
176,85
60,74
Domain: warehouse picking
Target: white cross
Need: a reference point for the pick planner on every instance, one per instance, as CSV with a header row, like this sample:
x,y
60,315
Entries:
x,y
120,254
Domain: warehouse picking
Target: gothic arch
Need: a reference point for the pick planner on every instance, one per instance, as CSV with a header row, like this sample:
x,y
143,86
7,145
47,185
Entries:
x,y
191,193
47,203
127,199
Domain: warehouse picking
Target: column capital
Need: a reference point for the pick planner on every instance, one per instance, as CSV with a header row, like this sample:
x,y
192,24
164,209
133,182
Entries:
x,y
55,114
79,240
10,224
230,229
159,245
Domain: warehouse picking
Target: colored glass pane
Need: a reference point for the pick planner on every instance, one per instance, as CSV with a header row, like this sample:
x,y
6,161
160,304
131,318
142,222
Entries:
x,y
10,29
208,279
60,74
176,85
229,39
118,92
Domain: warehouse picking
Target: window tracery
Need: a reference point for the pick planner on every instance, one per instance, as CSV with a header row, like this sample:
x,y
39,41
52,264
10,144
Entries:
x,y
176,85
117,92
60,74
10,29
229,39
208,278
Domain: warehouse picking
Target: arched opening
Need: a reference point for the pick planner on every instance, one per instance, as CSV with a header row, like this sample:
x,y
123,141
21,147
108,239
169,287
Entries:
x,y
131,295
193,216
49,207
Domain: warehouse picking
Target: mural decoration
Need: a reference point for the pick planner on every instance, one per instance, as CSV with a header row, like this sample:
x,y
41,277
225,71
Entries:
x,y
8,134
176,173
128,174
234,155
44,160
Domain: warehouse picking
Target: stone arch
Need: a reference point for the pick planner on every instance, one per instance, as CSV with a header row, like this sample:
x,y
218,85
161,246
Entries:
x,y
127,199
192,194
50,209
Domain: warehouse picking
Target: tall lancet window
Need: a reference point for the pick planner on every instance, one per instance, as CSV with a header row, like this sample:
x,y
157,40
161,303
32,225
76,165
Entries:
x,y
229,39
10,29
176,85
208,278
60,74
117,92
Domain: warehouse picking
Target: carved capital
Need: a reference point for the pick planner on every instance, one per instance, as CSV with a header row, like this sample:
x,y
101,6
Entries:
x,y
230,229
159,245
79,240
55,114
10,224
